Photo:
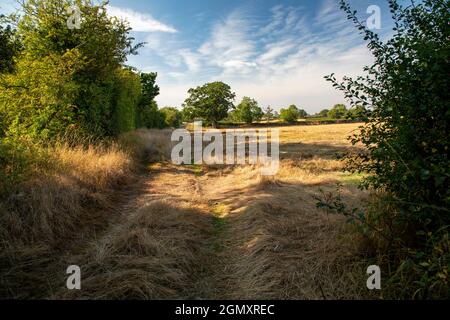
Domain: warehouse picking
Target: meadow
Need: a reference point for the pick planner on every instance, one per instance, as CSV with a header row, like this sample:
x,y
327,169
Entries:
x,y
148,229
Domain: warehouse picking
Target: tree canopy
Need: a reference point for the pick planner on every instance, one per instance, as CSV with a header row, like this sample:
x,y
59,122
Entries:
x,y
290,114
248,111
210,102
339,111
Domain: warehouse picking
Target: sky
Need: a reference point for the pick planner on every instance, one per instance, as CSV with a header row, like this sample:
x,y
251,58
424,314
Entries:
x,y
276,52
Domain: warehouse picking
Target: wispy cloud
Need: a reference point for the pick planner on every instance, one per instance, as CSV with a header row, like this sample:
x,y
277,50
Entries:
x,y
279,60
230,46
140,22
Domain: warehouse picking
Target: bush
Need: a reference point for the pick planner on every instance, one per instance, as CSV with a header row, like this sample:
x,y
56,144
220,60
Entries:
x,y
247,111
128,96
339,111
172,117
68,79
406,138
290,115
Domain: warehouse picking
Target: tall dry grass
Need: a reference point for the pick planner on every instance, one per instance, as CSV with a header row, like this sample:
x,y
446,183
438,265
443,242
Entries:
x,y
67,195
185,231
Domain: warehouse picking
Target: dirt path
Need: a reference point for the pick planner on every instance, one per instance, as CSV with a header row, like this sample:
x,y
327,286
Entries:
x,y
183,185
218,233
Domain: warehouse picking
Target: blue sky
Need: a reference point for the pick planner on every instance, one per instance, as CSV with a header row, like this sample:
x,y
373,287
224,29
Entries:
x,y
276,52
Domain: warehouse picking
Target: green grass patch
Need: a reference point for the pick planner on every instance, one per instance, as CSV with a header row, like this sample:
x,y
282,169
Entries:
x,y
220,224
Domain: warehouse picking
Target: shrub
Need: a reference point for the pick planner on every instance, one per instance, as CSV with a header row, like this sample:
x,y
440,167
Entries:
x,y
339,111
290,115
248,111
172,117
407,147
128,95
68,78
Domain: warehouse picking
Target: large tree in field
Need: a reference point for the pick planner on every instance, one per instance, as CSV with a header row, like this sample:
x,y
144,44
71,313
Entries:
x,y
268,114
210,102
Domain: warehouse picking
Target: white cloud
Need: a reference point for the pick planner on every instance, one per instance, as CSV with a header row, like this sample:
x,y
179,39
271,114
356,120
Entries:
x,y
275,50
191,59
140,22
230,45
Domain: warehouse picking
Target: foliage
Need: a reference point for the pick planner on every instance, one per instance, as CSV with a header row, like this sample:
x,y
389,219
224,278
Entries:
x,y
290,114
248,111
172,117
69,79
358,112
148,114
15,160
37,100
151,117
323,113
406,137
127,98
339,111
268,114
150,90
211,102
302,114
10,46
276,115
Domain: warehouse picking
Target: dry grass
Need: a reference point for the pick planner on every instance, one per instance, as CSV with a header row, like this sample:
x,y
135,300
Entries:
x,y
54,202
187,231
62,202
154,253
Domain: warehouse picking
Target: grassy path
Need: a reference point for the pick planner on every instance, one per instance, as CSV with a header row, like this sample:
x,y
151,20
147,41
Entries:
x,y
228,233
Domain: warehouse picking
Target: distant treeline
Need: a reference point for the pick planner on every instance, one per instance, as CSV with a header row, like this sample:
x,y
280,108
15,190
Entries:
x,y
214,104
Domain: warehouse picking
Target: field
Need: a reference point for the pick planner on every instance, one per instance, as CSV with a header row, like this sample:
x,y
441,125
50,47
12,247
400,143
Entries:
x,y
199,232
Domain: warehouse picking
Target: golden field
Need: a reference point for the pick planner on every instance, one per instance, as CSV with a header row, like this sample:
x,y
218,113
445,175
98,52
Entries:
x,y
161,231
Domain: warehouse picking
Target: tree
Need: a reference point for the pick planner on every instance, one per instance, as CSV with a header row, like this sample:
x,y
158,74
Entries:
x,y
339,111
302,113
69,78
324,113
10,46
172,117
406,137
268,114
248,111
290,114
149,115
358,112
276,115
210,102
152,117
150,90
